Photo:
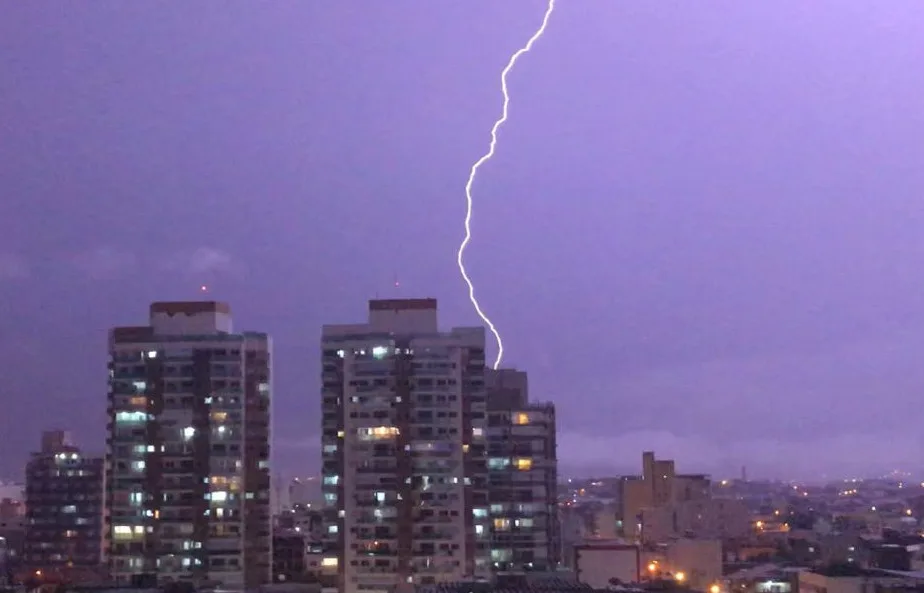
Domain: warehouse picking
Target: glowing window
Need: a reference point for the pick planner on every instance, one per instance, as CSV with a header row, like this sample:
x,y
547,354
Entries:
x,y
380,352
501,524
377,433
131,417
524,464
329,562
498,462
521,418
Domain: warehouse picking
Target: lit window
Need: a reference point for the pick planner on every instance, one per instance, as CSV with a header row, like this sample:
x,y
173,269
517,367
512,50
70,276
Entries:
x,y
130,417
331,480
69,509
521,418
332,529
498,462
524,464
219,416
523,522
501,524
380,352
219,496
138,466
479,512
139,386
189,432
377,433
477,431
152,353
330,561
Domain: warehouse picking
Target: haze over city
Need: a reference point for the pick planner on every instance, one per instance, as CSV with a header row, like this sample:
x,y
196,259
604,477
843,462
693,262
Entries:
x,y
700,234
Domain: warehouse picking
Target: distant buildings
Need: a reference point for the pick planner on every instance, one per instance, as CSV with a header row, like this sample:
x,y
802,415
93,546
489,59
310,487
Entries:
x,y
306,492
662,504
691,563
188,486
64,508
403,448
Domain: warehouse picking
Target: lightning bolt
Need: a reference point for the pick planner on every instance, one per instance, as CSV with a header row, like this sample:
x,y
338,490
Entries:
x,y
474,172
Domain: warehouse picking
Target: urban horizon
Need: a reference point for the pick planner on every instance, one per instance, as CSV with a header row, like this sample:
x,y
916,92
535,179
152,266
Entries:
x,y
623,454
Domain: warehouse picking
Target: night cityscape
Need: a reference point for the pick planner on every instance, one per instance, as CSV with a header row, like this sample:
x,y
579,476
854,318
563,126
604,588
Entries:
x,y
498,297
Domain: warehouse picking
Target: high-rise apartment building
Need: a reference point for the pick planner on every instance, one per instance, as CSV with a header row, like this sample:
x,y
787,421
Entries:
x,y
188,482
403,449
64,509
523,476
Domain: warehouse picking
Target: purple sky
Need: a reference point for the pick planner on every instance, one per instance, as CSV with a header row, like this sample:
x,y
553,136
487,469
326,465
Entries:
x,y
701,234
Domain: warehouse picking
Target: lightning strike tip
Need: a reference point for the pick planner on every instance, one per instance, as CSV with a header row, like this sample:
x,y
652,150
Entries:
x,y
474,172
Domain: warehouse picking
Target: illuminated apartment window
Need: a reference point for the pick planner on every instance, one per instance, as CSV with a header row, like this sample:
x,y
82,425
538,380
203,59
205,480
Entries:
x,y
138,400
131,417
219,416
498,462
501,524
524,464
521,418
377,433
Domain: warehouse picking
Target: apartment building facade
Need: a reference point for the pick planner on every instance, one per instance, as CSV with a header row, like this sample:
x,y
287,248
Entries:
x,y
522,476
188,479
64,509
403,424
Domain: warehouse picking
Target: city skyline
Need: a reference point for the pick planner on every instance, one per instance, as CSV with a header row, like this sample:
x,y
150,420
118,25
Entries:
x,y
696,239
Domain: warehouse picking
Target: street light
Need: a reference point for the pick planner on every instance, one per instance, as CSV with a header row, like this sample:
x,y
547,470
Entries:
x,y
680,576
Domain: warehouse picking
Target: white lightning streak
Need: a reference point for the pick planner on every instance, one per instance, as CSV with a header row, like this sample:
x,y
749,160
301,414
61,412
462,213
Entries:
x,y
471,180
